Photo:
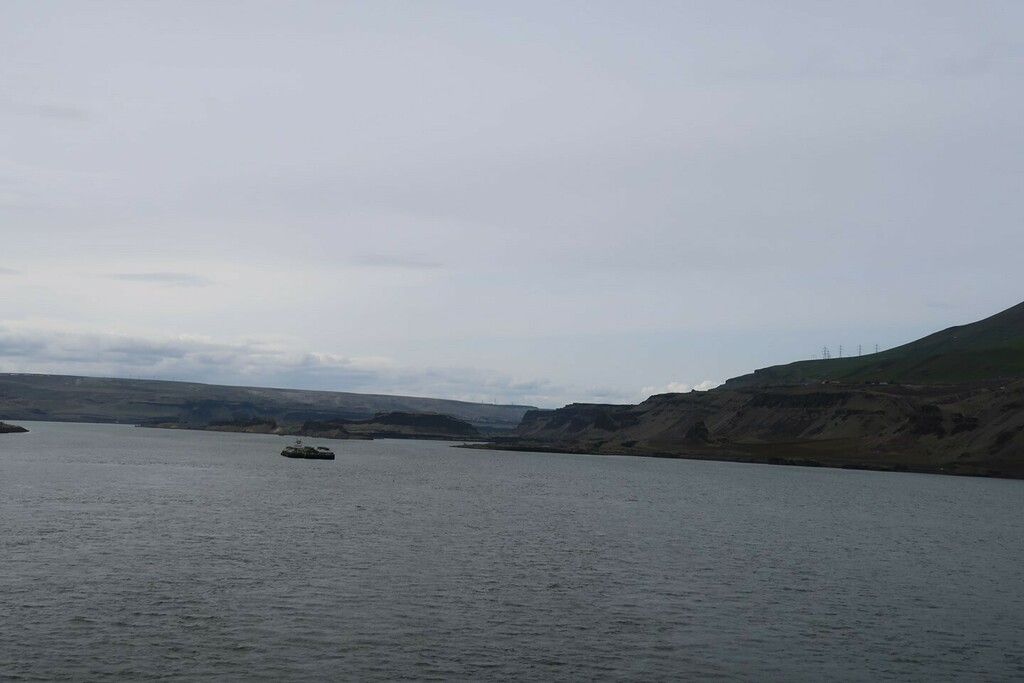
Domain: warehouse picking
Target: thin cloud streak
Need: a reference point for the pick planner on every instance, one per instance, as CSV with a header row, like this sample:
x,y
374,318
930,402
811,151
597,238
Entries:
x,y
394,261
166,279
27,348
47,110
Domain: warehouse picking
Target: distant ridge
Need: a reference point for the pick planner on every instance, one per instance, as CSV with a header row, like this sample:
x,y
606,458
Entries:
x,y
69,398
988,350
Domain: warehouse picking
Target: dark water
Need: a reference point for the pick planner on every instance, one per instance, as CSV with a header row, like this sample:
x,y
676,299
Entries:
x,y
130,554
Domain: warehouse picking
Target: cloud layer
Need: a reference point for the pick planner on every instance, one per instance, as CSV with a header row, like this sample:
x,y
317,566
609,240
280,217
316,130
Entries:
x,y
592,197
166,279
41,349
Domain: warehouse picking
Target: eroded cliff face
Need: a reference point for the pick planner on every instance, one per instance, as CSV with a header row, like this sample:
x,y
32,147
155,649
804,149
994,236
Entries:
x,y
969,430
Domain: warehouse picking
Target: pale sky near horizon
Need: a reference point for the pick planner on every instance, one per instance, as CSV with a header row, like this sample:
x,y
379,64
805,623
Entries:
x,y
528,202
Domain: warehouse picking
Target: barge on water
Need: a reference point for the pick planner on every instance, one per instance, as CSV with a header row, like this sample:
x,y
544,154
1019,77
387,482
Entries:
x,y
307,452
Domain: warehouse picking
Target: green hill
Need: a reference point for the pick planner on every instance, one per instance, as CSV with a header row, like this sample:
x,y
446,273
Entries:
x,y
988,350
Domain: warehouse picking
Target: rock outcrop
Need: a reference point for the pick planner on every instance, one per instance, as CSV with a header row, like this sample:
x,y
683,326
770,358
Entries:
x,y
959,429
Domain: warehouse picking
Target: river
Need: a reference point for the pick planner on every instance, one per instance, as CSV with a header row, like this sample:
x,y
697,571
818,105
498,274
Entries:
x,y
130,553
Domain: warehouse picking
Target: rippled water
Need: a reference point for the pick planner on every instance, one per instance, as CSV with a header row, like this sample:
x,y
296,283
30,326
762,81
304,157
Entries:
x,y
128,553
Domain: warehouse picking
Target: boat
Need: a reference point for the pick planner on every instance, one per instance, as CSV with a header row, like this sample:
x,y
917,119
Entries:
x,y
307,452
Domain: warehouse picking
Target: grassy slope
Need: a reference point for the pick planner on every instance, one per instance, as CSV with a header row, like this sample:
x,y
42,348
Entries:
x,y
990,349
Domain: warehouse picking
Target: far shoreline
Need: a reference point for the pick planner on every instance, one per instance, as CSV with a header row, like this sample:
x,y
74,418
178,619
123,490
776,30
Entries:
x,y
753,459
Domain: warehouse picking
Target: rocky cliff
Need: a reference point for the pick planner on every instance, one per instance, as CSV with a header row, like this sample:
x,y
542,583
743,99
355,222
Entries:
x,y
951,402
958,429
11,429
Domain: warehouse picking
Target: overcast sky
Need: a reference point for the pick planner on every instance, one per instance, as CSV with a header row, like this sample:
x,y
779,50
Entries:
x,y
531,202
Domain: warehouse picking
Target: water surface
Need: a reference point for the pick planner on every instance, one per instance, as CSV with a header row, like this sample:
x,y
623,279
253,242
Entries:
x,y
129,553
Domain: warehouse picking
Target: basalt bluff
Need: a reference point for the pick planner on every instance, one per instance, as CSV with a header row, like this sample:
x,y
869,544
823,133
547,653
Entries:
x,y
952,403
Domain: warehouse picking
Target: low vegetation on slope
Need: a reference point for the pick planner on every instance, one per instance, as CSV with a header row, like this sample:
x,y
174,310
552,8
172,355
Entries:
x,y
988,350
